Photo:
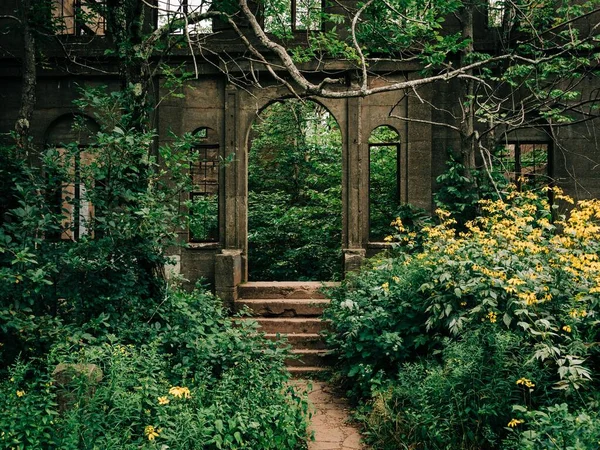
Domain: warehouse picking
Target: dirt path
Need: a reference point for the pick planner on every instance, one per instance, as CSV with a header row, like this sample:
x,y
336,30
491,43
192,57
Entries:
x,y
329,421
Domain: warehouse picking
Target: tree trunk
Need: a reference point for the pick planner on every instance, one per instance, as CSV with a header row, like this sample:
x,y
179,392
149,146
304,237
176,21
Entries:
x,y
467,125
23,123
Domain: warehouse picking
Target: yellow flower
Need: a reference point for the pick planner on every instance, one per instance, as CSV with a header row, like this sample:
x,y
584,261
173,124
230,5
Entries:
x,y
525,382
20,393
514,422
385,287
389,238
163,400
463,303
566,328
180,392
396,279
151,432
492,317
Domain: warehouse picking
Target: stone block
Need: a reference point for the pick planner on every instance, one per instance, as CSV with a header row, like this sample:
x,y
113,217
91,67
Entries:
x,y
67,375
228,275
353,259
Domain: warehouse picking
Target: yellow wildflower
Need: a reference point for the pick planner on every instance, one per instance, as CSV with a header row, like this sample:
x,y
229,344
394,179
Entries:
x,y
20,393
386,287
151,432
492,316
180,392
463,303
566,328
529,297
396,279
163,400
510,289
525,382
514,422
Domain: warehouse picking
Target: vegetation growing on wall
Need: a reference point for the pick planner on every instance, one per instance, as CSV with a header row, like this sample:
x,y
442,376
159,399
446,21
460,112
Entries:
x,y
294,194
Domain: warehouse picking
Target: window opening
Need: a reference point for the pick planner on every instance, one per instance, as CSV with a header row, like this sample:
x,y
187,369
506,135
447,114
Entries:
x,y
384,181
306,15
173,10
76,207
526,163
295,15
204,195
78,18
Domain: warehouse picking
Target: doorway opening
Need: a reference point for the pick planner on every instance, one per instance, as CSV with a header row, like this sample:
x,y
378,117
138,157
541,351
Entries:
x,y
294,194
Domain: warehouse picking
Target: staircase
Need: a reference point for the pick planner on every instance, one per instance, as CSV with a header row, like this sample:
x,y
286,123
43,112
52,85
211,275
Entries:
x,y
291,309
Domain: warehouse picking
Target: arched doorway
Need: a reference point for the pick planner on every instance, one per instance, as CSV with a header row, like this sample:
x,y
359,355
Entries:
x,y
294,193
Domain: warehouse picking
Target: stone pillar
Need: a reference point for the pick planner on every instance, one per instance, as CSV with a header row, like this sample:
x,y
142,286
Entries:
x,y
228,275
419,174
228,263
356,196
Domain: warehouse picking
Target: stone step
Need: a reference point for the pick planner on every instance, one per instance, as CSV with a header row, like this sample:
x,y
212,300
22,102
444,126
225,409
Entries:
x,y
270,307
308,357
306,371
311,341
290,325
282,289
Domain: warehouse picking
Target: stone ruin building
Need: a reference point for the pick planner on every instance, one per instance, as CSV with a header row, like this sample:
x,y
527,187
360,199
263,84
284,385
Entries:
x,y
221,113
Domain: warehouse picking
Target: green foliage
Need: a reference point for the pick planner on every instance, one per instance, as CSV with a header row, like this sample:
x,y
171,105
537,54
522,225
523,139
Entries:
x,y
195,381
460,400
85,233
444,345
294,183
557,427
82,249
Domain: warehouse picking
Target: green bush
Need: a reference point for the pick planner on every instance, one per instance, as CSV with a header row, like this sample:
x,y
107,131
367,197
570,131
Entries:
x,y
197,382
79,290
441,344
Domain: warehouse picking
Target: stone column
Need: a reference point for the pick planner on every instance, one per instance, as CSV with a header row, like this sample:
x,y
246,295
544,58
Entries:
x,y
228,263
354,212
419,173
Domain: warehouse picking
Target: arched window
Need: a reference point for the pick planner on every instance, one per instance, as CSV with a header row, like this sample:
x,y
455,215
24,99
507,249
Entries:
x,y
204,194
384,181
72,135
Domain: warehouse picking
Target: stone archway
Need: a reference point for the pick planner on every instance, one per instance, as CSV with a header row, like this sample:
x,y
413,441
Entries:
x,y
294,193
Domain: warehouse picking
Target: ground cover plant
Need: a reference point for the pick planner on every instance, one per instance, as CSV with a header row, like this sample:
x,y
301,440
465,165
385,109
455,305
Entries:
x,y
482,338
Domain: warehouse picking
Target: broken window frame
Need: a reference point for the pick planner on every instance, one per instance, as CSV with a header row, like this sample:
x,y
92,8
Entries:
x,y
167,10
518,176
74,23
77,210
204,183
298,25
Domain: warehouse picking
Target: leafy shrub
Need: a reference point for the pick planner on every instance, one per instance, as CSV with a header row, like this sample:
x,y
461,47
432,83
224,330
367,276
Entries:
x,y
556,427
511,302
198,382
78,290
